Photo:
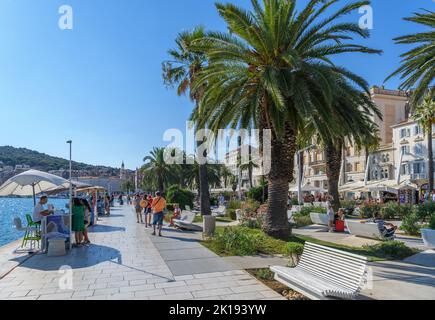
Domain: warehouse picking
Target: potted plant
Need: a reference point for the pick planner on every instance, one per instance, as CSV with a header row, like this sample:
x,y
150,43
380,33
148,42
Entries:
x,y
429,233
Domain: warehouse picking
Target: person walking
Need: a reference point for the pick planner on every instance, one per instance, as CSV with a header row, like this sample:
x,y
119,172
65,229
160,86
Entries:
x,y
138,208
158,207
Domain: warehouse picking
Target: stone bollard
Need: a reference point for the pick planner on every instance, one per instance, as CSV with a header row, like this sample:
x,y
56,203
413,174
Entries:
x,y
209,226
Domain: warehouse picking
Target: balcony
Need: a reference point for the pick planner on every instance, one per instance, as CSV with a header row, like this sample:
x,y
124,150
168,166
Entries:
x,y
419,176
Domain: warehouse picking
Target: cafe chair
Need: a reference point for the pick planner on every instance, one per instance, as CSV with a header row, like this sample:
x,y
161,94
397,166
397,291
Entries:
x,y
30,234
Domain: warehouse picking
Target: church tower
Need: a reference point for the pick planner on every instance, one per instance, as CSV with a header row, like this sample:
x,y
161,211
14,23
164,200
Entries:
x,y
122,171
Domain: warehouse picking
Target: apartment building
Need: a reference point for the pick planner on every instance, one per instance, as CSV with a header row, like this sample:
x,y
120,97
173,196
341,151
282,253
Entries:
x,y
393,106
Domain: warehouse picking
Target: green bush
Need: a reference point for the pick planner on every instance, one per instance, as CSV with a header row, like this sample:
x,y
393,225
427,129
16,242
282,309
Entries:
x,y
411,224
258,192
393,210
368,211
231,213
183,197
306,211
426,211
432,222
293,248
295,202
391,250
293,251
348,206
234,205
302,221
237,242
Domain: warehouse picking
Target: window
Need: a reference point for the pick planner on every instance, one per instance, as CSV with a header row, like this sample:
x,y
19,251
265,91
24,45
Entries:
x,y
418,130
405,133
406,150
419,167
385,174
405,169
418,149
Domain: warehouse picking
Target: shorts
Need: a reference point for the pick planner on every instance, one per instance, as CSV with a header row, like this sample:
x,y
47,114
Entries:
x,y
147,211
158,219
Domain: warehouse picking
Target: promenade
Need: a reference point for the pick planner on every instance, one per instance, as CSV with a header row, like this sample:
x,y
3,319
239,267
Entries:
x,y
126,263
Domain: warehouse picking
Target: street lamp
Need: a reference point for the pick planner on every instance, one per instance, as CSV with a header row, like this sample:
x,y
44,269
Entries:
x,y
300,171
70,174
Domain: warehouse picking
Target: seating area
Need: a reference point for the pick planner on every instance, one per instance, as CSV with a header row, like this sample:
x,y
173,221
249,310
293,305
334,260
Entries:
x,y
320,219
324,273
364,230
219,212
186,221
31,233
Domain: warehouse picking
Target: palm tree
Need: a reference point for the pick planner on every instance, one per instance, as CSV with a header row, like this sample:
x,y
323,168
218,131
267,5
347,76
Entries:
x,y
226,175
156,170
272,71
182,71
418,64
424,113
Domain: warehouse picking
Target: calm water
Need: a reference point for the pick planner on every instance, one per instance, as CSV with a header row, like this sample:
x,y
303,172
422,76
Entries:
x,y
11,208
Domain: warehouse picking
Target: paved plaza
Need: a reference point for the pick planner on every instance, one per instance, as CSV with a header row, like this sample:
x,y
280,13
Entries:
x,y
126,263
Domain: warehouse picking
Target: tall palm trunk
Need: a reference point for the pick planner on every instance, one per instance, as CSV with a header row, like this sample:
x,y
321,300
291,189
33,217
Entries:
x,y
204,189
334,155
281,174
430,155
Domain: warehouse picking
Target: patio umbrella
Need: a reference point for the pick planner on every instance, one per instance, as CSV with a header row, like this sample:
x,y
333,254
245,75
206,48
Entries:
x,y
31,183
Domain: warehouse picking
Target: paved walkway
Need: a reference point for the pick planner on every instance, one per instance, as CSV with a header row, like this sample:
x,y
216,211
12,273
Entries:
x,y
126,263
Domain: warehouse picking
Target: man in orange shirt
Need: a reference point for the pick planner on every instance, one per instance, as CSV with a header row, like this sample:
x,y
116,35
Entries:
x,y
158,207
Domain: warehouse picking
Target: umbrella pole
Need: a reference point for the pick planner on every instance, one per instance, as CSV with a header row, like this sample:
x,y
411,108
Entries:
x,y
34,196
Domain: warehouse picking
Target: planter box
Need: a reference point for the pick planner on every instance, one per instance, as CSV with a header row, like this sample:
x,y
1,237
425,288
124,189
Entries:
x,y
428,238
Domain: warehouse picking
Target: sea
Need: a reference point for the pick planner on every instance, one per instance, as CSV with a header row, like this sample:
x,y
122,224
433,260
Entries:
x,y
11,208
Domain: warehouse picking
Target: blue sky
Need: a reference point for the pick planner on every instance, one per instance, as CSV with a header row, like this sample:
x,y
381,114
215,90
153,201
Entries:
x,y
100,84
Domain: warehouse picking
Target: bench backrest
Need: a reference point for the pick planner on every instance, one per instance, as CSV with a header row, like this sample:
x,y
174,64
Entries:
x,y
188,216
319,218
366,230
341,268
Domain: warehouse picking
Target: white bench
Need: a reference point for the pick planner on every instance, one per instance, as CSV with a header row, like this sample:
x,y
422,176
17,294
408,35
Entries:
x,y
186,221
324,274
364,230
219,212
320,218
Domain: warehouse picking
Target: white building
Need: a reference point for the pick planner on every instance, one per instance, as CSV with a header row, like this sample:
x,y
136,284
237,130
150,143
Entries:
x,y
411,151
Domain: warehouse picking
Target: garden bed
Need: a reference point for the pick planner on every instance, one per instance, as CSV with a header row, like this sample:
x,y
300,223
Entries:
x,y
243,241
266,277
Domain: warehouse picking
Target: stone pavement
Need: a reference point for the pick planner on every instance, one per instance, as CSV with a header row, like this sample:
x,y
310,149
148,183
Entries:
x,y
126,263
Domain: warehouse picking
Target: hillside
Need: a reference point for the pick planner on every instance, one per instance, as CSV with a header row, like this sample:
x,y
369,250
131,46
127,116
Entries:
x,y
11,156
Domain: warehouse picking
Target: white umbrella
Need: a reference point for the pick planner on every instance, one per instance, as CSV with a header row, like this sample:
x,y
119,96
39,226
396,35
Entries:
x,y
31,183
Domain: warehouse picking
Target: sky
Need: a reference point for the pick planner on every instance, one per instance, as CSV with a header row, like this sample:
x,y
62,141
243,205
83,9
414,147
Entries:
x,y
100,83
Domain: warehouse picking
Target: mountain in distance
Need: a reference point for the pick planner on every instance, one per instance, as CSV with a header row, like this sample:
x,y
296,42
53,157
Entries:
x,y
11,156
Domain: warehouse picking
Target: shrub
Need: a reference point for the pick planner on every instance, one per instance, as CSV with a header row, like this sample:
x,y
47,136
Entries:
x,y
265,274
411,224
368,210
302,221
257,193
393,210
234,205
238,242
295,202
348,206
426,211
306,211
183,197
391,250
432,222
231,213
293,251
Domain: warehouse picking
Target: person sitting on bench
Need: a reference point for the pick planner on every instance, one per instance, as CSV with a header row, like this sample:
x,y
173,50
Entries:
x,y
388,230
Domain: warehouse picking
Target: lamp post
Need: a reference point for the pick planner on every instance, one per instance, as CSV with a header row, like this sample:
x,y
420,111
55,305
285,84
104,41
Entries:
x,y
70,174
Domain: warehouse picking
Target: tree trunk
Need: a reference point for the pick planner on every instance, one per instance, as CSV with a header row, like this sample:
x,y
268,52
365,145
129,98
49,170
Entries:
x,y
333,155
430,155
281,174
204,188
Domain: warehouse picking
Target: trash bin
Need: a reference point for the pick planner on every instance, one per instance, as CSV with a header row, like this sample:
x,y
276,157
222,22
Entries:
x,y
56,247
339,226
